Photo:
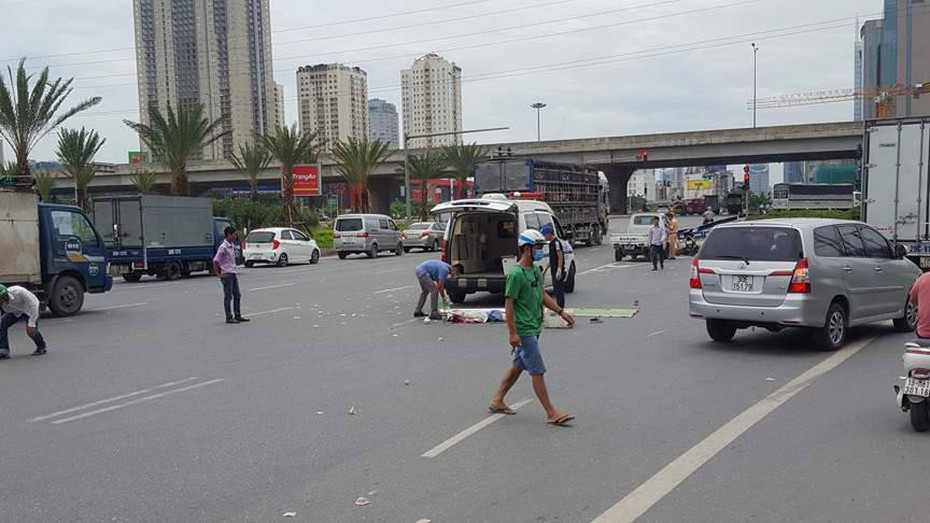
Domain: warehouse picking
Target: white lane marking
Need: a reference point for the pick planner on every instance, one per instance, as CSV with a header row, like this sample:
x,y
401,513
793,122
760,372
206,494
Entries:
x,y
113,308
262,313
408,322
268,288
656,333
136,402
385,291
614,265
636,503
454,440
151,286
111,400
390,271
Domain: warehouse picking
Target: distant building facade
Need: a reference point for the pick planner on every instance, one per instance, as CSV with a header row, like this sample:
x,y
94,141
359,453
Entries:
x,y
432,101
333,101
383,122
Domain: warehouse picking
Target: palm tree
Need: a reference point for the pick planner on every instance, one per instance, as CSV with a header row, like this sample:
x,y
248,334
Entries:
x,y
44,183
251,159
76,151
424,167
355,161
28,113
290,147
464,159
176,140
144,181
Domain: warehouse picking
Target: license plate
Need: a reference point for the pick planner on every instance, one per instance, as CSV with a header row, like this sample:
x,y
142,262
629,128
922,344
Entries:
x,y
255,257
913,387
628,247
925,262
743,284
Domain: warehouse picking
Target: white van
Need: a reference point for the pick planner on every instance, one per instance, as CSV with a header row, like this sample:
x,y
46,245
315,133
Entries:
x,y
481,238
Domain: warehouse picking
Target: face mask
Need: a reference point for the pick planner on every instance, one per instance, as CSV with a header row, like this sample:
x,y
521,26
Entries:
x,y
538,255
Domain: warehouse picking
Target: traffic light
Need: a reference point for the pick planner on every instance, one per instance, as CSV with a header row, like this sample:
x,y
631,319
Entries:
x,y
745,177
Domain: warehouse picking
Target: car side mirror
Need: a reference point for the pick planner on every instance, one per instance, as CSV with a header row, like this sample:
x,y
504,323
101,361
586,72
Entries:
x,y
900,251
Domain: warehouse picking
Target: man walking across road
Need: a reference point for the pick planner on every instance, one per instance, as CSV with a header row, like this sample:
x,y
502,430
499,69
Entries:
x,y
432,275
525,300
556,264
17,303
672,236
658,235
224,265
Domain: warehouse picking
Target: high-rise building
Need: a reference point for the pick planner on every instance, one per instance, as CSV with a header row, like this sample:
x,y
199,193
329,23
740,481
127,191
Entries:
x,y
871,44
759,179
858,106
382,121
281,120
333,100
215,53
432,101
794,172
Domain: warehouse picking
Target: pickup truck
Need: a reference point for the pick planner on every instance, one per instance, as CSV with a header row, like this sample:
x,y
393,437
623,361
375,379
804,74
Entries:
x,y
635,240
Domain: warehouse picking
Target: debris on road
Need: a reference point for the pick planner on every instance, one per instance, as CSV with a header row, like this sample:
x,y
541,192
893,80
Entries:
x,y
596,320
441,339
361,502
769,379
352,411
290,514
425,521
406,382
606,313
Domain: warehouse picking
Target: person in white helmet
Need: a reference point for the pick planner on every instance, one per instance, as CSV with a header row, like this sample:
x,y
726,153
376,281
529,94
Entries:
x,y
524,311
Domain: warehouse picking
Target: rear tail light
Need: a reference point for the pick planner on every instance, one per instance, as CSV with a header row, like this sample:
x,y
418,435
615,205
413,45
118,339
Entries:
x,y
245,245
695,275
424,234
275,244
920,373
362,235
800,280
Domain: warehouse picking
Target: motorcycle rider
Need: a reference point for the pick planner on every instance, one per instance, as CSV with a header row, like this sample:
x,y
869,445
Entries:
x,y
920,292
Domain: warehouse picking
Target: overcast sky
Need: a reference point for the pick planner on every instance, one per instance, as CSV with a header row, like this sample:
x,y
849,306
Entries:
x,y
605,67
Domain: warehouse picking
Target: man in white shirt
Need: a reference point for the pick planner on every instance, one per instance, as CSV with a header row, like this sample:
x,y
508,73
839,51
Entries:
x,y
16,303
658,235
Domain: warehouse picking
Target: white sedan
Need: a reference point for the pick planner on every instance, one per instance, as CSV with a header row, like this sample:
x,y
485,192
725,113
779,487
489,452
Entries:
x,y
279,246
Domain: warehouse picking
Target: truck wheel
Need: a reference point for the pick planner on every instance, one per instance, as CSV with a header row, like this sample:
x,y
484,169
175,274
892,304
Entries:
x,y
570,281
173,271
342,255
618,255
186,271
598,236
920,416
720,331
67,297
456,297
132,277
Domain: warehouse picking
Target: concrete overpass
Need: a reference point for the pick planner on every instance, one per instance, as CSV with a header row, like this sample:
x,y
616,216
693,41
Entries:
x,y
617,156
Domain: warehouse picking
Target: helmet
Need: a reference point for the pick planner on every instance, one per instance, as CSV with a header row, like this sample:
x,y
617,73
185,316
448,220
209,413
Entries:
x,y
547,229
4,292
531,237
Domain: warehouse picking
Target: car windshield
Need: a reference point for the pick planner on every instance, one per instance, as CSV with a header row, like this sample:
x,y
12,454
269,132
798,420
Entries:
x,y
349,224
643,220
753,244
260,237
419,226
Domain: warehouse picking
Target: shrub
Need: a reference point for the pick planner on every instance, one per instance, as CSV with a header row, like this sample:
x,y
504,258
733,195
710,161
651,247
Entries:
x,y
837,214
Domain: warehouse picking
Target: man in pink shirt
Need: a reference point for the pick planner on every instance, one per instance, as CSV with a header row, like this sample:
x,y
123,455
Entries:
x,y
920,293
224,265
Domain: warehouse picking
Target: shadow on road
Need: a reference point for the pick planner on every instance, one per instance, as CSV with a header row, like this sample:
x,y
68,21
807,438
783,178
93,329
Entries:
x,y
787,342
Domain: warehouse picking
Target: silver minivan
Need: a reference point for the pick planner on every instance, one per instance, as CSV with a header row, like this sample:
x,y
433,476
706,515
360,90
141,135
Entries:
x,y
825,275
367,234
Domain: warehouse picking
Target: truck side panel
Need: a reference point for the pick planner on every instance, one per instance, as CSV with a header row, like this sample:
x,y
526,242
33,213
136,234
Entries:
x,y
19,239
896,184
177,222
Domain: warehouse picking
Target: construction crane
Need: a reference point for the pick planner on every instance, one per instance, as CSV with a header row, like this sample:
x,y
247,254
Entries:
x,y
885,98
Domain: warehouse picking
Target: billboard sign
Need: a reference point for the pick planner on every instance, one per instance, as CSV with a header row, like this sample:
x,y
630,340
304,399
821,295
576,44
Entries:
x,y
137,157
306,180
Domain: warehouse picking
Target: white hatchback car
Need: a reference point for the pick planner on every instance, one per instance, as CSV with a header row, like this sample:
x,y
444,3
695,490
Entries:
x,y
279,246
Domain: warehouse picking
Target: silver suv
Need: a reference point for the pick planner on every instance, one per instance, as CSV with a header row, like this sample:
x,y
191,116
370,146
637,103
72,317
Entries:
x,y
825,275
366,234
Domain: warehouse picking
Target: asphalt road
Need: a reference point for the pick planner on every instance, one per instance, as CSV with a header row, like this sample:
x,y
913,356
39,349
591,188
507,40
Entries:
x,y
149,408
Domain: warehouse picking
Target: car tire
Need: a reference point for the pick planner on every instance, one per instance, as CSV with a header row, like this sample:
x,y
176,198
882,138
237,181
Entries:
x,y
570,281
342,255
315,257
908,322
67,297
173,271
456,297
132,277
373,252
920,416
282,260
832,335
407,249
435,246
399,251
249,265
618,255
720,331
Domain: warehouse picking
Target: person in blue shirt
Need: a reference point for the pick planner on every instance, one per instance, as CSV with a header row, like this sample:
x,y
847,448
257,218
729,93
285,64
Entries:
x,y
432,275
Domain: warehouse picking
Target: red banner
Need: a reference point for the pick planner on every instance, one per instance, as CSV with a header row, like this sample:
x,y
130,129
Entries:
x,y
306,180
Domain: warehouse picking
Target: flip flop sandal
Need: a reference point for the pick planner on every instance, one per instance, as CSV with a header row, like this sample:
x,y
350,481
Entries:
x,y
505,410
562,421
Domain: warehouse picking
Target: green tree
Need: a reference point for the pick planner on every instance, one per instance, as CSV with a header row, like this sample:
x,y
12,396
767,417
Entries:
x,y
251,159
464,159
29,112
355,161
177,139
44,183
76,152
144,181
290,147
425,167
759,200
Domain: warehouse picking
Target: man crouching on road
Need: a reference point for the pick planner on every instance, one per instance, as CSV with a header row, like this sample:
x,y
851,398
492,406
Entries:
x,y
432,275
524,311
16,303
224,265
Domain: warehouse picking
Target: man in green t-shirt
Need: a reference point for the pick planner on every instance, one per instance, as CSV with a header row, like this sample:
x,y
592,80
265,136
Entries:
x,y
525,300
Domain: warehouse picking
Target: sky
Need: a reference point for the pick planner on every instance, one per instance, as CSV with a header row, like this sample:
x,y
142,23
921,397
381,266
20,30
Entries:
x,y
604,67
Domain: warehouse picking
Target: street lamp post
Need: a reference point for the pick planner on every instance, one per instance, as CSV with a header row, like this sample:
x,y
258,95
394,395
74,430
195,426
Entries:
x,y
408,137
539,106
755,50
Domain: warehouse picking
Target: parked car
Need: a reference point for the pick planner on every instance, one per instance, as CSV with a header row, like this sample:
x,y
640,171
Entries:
x,y
279,246
824,275
481,240
423,235
366,234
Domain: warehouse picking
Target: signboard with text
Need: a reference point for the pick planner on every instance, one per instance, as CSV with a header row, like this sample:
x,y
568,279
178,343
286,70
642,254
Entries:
x,y
306,180
137,157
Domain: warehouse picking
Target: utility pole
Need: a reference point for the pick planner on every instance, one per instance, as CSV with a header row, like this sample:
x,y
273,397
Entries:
x,y
755,50
539,106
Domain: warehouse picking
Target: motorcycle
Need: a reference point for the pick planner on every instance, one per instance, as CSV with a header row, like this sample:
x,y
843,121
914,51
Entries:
x,y
914,396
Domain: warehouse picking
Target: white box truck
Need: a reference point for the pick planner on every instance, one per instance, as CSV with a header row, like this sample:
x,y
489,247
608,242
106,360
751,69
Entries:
x,y
896,184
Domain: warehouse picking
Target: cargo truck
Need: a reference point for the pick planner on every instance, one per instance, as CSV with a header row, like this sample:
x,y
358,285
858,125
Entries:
x,y
165,236
52,250
573,192
896,183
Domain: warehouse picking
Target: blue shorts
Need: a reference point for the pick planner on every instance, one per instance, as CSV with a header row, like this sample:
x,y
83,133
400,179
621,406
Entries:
x,y
528,358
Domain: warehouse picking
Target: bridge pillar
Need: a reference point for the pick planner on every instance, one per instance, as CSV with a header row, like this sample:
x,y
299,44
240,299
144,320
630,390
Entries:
x,y
619,177
382,193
